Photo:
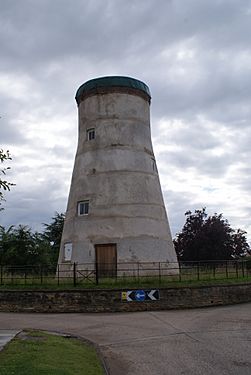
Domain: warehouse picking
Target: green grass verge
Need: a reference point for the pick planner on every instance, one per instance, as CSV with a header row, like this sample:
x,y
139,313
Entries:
x,y
143,282
39,353
151,282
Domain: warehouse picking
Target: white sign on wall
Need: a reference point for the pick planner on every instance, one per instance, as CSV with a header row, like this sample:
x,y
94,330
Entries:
x,y
67,251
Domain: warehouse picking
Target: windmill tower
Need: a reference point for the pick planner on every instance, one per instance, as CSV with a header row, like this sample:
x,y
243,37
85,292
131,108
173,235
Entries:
x,y
115,211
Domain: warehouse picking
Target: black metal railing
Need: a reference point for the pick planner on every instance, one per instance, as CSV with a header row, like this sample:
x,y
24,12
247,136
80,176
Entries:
x,y
129,273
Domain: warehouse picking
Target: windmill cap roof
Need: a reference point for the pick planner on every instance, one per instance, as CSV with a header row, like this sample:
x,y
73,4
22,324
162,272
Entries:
x,y
111,82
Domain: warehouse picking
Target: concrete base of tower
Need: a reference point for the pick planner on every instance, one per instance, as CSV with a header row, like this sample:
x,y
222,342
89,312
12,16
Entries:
x,y
123,257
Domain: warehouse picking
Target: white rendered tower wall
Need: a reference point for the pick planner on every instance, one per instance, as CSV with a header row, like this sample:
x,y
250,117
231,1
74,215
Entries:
x,y
115,199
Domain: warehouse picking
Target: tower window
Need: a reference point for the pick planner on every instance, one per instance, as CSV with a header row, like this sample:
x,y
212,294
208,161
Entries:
x,y
83,208
90,134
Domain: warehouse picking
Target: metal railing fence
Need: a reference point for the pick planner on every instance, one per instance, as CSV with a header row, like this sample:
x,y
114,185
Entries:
x,y
157,273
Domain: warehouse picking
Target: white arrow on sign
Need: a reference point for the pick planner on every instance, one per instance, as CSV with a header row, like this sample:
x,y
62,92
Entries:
x,y
128,298
151,295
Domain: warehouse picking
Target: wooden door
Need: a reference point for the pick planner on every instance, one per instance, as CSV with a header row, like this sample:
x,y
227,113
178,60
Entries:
x,y
106,260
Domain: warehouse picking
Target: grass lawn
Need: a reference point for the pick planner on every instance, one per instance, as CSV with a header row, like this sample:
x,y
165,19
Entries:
x,y
39,353
143,282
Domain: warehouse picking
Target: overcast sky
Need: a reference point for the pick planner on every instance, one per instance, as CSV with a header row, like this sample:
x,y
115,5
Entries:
x,y
195,56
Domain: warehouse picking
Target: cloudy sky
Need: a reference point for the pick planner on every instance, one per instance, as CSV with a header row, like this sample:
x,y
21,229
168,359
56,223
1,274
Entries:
x,y
195,56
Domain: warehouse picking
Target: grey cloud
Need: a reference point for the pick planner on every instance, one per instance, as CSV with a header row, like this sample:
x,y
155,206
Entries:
x,y
42,201
221,94
9,134
240,178
177,204
192,147
193,135
202,164
51,31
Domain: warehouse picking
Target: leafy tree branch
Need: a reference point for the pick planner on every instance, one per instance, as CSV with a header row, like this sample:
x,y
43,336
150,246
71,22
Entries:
x,y
4,184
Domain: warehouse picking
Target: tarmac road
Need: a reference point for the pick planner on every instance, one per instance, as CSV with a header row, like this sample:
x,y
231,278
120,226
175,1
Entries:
x,y
208,341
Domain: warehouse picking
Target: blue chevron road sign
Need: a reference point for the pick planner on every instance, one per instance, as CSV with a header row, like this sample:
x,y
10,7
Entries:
x,y
140,295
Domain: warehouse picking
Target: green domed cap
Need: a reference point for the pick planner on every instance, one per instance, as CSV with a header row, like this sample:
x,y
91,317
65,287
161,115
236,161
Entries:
x,y
102,83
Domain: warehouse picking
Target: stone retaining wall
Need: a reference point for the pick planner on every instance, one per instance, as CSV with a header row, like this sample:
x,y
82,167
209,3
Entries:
x,y
106,300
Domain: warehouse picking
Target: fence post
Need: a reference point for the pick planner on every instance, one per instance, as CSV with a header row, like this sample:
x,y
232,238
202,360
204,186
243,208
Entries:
x,y
58,273
138,271
25,276
159,274
97,280
226,269
236,269
41,275
242,268
74,274
1,275
180,272
214,270
198,271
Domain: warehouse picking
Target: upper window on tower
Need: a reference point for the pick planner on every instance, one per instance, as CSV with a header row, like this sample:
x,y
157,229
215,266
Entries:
x,y
90,134
83,208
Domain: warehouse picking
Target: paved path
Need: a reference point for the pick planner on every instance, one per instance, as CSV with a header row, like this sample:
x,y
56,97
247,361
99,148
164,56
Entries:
x,y
6,336
208,341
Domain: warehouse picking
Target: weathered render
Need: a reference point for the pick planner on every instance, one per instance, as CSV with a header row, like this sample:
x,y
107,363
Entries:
x,y
115,196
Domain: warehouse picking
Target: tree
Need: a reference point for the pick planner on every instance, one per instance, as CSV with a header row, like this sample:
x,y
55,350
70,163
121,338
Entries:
x,y
5,242
5,185
53,234
209,238
240,245
20,247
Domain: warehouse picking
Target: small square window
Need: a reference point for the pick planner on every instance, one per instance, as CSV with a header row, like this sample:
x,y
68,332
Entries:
x,y
90,134
83,208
